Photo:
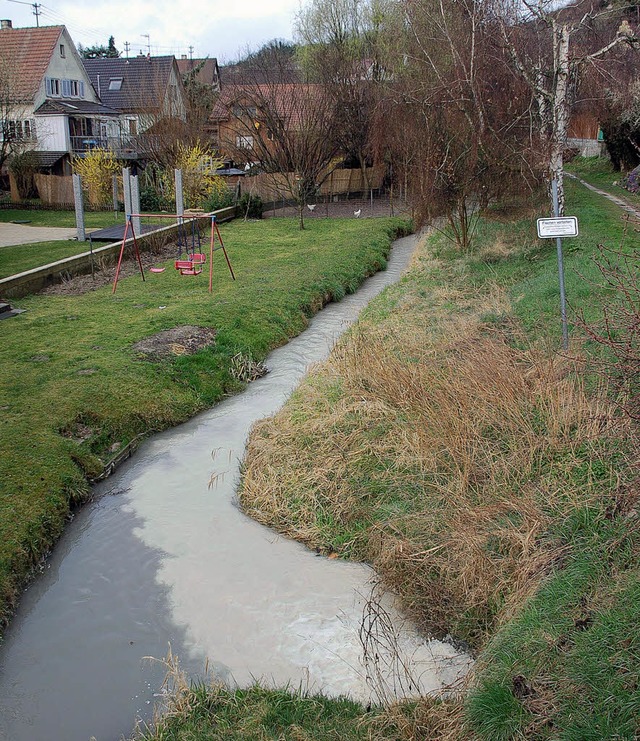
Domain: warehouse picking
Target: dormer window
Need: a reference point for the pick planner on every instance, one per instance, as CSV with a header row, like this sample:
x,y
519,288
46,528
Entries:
x,y
115,83
62,54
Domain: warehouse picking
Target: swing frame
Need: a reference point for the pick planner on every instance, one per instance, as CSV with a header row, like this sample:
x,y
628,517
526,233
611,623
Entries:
x,y
190,267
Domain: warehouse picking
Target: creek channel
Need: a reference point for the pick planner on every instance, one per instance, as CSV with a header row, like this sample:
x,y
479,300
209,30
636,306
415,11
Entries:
x,y
161,558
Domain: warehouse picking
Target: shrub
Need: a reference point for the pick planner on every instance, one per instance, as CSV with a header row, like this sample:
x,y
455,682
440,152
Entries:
x,y
251,206
97,169
221,197
632,181
23,168
199,179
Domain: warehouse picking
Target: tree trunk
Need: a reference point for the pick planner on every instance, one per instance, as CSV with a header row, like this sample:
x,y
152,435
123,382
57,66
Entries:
x,y
560,112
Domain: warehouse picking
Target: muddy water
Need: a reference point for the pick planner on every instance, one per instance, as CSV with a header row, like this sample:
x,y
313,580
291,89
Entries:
x,y
161,557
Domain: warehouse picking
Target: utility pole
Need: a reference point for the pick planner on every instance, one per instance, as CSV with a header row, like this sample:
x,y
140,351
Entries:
x,y
191,53
127,46
36,11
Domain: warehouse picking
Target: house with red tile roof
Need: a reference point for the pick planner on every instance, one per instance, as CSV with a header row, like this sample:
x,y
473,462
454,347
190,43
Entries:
x,y
51,106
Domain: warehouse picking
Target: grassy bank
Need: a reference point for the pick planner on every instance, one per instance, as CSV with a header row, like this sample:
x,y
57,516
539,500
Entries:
x,y
75,391
18,258
488,478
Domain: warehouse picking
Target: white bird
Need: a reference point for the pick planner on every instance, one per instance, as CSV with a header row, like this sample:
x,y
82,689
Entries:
x,y
311,206
357,213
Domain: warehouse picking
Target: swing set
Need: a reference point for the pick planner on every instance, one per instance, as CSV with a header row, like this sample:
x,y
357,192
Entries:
x,y
192,264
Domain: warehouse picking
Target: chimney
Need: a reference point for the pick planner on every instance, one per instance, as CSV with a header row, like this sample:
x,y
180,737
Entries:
x,y
6,24
183,56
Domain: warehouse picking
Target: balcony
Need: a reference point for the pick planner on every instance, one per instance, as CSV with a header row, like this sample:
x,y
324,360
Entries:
x,y
121,145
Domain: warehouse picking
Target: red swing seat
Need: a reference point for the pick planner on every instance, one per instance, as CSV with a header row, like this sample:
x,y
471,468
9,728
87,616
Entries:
x,y
192,266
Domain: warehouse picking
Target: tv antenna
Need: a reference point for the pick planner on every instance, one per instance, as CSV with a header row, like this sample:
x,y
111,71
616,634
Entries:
x,y
146,36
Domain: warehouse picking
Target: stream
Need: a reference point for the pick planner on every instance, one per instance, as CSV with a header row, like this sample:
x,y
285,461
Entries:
x,y
161,558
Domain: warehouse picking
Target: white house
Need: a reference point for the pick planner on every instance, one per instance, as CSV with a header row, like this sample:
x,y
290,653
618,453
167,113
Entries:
x,y
50,105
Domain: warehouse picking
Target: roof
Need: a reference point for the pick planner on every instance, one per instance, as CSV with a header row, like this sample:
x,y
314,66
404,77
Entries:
x,y
28,51
77,106
246,73
287,101
144,81
207,75
45,159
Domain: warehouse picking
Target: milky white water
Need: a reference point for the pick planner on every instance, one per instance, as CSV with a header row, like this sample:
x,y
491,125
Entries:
x,y
160,557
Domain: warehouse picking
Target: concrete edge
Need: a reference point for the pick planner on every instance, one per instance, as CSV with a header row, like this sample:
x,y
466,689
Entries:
x,y
34,280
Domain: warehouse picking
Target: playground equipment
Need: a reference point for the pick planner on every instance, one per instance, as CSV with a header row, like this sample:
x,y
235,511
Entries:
x,y
194,261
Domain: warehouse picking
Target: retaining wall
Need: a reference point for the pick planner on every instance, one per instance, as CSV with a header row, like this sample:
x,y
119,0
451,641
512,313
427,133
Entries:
x,y
32,281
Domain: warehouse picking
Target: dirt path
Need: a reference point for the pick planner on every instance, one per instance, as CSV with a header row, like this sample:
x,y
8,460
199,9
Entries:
x,y
621,202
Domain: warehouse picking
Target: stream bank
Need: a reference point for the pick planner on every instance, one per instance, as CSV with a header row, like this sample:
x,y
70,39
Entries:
x,y
164,557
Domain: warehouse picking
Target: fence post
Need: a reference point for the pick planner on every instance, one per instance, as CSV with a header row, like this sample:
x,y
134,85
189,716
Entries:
x,y
135,204
79,204
126,189
179,195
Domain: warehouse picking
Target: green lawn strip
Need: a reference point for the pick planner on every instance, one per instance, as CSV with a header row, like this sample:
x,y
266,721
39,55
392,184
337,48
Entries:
x,y
73,387
23,257
67,219
259,713
599,172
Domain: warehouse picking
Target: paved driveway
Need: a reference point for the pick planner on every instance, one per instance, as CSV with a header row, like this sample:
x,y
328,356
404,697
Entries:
x,y
11,234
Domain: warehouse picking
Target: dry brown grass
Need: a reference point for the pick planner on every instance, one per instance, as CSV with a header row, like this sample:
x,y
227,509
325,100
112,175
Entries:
x,y
433,449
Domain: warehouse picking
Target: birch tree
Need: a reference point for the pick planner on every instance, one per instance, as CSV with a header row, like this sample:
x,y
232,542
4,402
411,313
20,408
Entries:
x,y
549,49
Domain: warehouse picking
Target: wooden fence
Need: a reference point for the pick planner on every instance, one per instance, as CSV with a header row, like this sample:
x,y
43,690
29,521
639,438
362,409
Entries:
x,y
275,187
55,190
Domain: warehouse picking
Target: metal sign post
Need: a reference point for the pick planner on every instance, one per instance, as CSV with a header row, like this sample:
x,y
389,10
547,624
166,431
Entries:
x,y
558,227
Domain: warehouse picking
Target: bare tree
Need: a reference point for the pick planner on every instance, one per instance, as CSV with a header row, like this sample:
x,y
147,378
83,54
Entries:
x,y
283,127
18,132
454,119
338,50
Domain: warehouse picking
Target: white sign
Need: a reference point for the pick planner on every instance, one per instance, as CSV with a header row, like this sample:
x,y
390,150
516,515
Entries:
x,y
560,226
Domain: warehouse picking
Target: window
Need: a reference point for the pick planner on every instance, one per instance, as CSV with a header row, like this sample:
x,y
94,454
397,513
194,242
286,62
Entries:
x,y
250,111
72,88
62,54
115,83
244,142
52,86
19,130
133,126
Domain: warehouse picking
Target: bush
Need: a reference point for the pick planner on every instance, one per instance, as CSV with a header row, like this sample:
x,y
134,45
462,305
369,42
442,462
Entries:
x,y
23,168
250,206
97,169
151,201
221,197
632,181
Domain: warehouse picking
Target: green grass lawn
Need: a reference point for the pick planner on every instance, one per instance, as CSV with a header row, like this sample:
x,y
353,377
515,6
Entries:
x,y
72,386
45,217
598,171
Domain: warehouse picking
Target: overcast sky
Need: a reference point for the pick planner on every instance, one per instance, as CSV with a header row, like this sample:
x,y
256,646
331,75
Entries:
x,y
215,28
